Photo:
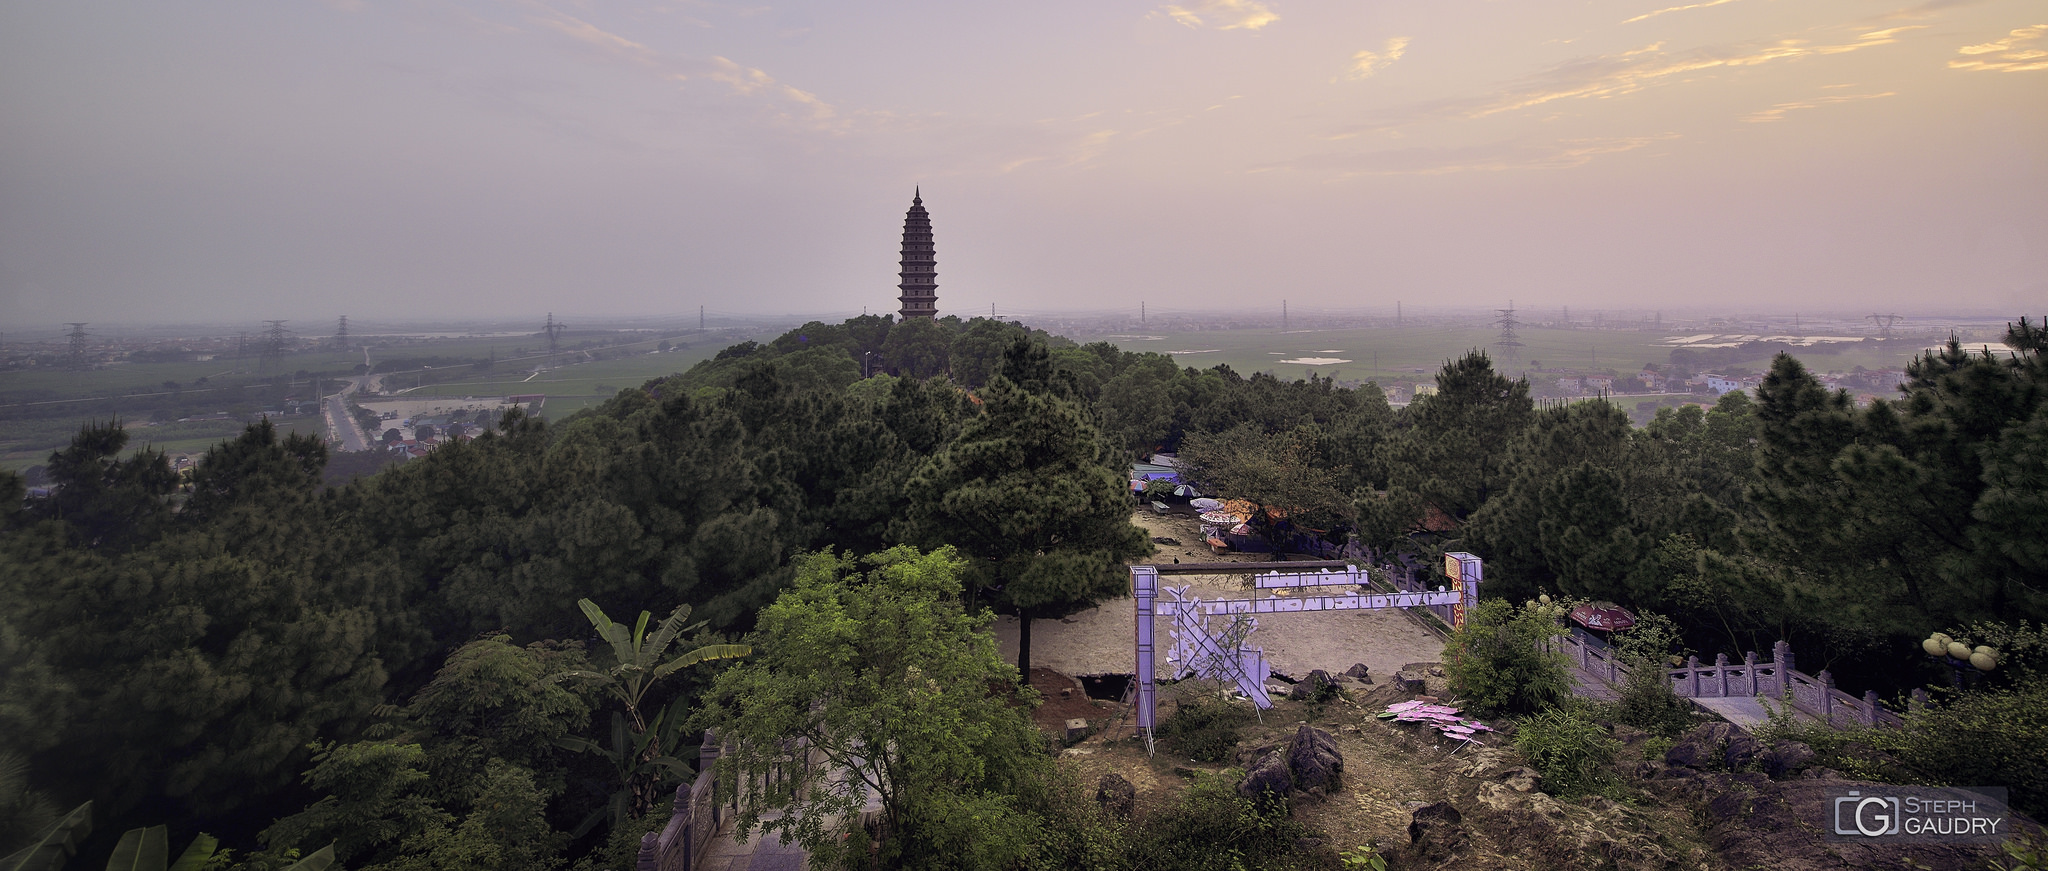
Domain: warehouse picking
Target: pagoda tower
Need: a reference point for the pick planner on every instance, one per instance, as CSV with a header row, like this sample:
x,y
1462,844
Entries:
x,y
920,274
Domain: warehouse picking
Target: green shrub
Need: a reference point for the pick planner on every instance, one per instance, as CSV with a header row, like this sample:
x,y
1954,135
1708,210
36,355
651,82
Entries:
x,y
1647,702
1501,661
1568,748
1995,738
1203,730
1211,826
1981,738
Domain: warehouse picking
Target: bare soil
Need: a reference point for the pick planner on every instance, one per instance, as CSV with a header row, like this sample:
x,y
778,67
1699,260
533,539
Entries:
x,y
1103,640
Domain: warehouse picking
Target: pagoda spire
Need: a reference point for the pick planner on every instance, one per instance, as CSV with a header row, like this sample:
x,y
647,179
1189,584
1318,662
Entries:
x,y
919,278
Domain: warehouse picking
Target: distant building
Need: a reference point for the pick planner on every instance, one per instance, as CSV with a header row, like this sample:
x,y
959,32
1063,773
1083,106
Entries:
x,y
1422,390
920,275
1721,384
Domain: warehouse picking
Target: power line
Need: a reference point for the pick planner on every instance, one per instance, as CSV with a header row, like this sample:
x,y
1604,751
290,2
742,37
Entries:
x,y
1884,323
273,344
555,330
1509,343
77,360
341,334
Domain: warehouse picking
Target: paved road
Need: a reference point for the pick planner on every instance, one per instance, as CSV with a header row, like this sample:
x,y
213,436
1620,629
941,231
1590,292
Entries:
x,y
343,424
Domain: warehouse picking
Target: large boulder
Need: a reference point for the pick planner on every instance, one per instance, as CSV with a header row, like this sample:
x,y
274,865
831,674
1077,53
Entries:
x,y
1317,764
1741,750
1267,778
1316,687
1785,758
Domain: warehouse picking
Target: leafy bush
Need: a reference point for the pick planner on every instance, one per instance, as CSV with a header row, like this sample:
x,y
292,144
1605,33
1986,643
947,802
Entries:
x,y
1568,748
1211,826
1501,662
1203,730
1996,738
1983,738
1647,703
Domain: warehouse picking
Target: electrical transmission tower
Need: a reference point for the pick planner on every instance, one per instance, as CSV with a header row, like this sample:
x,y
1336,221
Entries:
x,y
273,344
77,360
555,330
341,334
1884,323
1510,345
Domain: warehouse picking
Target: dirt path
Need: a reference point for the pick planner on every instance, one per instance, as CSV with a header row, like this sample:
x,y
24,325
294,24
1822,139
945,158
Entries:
x,y
1101,640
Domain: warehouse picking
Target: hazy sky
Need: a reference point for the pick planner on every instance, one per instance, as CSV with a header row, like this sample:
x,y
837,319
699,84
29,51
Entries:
x,y
214,160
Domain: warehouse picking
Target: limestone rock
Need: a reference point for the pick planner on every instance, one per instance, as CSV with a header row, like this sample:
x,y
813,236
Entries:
x,y
1315,761
1434,833
1740,751
1316,686
1785,758
1269,777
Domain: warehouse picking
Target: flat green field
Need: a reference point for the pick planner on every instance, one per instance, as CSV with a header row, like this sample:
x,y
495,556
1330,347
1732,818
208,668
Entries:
x,y
574,387
41,410
1390,355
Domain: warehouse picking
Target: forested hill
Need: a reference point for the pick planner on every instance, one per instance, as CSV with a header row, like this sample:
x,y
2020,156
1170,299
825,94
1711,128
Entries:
x,y
222,652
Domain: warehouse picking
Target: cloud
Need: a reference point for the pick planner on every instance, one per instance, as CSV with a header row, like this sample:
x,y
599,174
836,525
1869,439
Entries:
x,y
2005,55
1777,113
1223,14
591,35
1365,63
1496,157
1677,9
746,81
1599,77
1929,9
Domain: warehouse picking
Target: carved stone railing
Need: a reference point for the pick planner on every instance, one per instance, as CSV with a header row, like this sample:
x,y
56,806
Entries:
x,y
696,817
703,808
1775,679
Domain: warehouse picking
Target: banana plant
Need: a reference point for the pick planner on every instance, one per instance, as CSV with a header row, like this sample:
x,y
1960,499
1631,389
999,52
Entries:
x,y
54,845
147,849
640,660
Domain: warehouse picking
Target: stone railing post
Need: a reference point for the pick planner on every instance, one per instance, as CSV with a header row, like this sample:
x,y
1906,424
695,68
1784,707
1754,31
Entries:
x,y
1692,677
1781,657
1827,697
1721,670
1870,707
1749,674
649,857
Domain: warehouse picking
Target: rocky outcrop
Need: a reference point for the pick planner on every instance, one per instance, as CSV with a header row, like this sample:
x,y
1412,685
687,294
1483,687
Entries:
x,y
1785,758
1435,833
1506,801
1310,765
1317,764
1316,687
1267,778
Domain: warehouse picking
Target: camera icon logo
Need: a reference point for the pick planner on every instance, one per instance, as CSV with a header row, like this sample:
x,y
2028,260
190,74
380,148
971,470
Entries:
x,y
1867,815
